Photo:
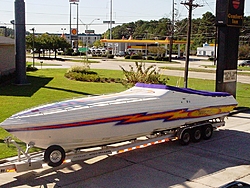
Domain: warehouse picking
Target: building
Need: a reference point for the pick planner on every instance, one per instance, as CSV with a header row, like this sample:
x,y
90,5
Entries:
x,y
207,50
85,38
7,55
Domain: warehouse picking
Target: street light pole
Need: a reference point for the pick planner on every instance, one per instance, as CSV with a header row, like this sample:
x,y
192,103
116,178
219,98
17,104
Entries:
x,y
146,52
13,23
33,30
87,41
110,35
87,34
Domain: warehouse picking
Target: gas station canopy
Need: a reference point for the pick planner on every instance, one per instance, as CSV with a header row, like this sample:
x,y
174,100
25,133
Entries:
x,y
167,41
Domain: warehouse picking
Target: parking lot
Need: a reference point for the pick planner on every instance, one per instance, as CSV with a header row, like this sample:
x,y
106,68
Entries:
x,y
211,163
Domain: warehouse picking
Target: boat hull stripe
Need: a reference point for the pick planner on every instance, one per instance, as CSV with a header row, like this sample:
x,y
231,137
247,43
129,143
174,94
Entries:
x,y
137,118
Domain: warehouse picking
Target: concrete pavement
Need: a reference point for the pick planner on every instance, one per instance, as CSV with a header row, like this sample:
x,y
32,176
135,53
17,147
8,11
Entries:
x,y
207,164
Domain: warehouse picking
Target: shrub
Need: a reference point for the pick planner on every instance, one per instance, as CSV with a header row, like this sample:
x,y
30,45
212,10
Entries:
x,y
110,56
81,73
244,52
86,75
69,51
83,53
142,74
82,77
127,57
75,53
158,58
165,59
135,57
29,68
80,69
150,58
211,58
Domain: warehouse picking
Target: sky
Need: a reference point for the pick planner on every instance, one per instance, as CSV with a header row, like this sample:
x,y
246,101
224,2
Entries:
x,y
53,16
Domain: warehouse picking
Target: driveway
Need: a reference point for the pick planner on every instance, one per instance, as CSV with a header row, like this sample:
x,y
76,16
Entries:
x,y
207,164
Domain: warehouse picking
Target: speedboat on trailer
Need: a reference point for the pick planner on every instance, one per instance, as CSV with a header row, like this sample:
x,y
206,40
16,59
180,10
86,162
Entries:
x,y
100,120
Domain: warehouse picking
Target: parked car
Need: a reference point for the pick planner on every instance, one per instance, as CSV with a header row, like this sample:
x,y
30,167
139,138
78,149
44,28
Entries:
x,y
236,184
121,54
245,63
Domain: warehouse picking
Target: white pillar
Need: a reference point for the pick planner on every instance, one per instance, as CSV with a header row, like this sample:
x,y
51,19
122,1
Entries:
x,y
166,47
179,50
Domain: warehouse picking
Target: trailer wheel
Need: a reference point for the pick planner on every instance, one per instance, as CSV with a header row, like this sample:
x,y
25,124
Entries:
x,y
196,135
185,137
207,132
54,155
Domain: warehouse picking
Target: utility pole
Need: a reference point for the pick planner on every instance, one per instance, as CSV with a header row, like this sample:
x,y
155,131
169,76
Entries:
x,y
189,5
171,35
111,15
33,46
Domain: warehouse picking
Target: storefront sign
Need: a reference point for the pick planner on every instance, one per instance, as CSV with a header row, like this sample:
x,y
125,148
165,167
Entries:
x,y
230,13
74,31
235,14
230,75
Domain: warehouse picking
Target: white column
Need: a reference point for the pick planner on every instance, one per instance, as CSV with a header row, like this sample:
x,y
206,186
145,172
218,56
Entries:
x,y
166,47
179,50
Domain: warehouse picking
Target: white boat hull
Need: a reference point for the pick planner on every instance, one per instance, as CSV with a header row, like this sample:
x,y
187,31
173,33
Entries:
x,y
101,120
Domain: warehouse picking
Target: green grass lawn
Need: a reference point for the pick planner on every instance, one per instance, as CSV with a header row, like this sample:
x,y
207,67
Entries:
x,y
50,85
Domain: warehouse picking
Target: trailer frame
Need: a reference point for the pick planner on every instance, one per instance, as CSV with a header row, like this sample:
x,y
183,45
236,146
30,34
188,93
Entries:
x,y
26,161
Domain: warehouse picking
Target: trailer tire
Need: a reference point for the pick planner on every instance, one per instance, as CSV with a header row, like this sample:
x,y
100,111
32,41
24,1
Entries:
x,y
207,132
185,137
196,134
54,155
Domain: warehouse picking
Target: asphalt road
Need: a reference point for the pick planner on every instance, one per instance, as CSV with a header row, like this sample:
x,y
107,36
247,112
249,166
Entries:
x,y
115,64
207,164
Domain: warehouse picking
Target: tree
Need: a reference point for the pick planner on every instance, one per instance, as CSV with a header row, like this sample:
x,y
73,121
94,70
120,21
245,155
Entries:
x,y
244,52
158,50
137,29
204,30
98,43
46,42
